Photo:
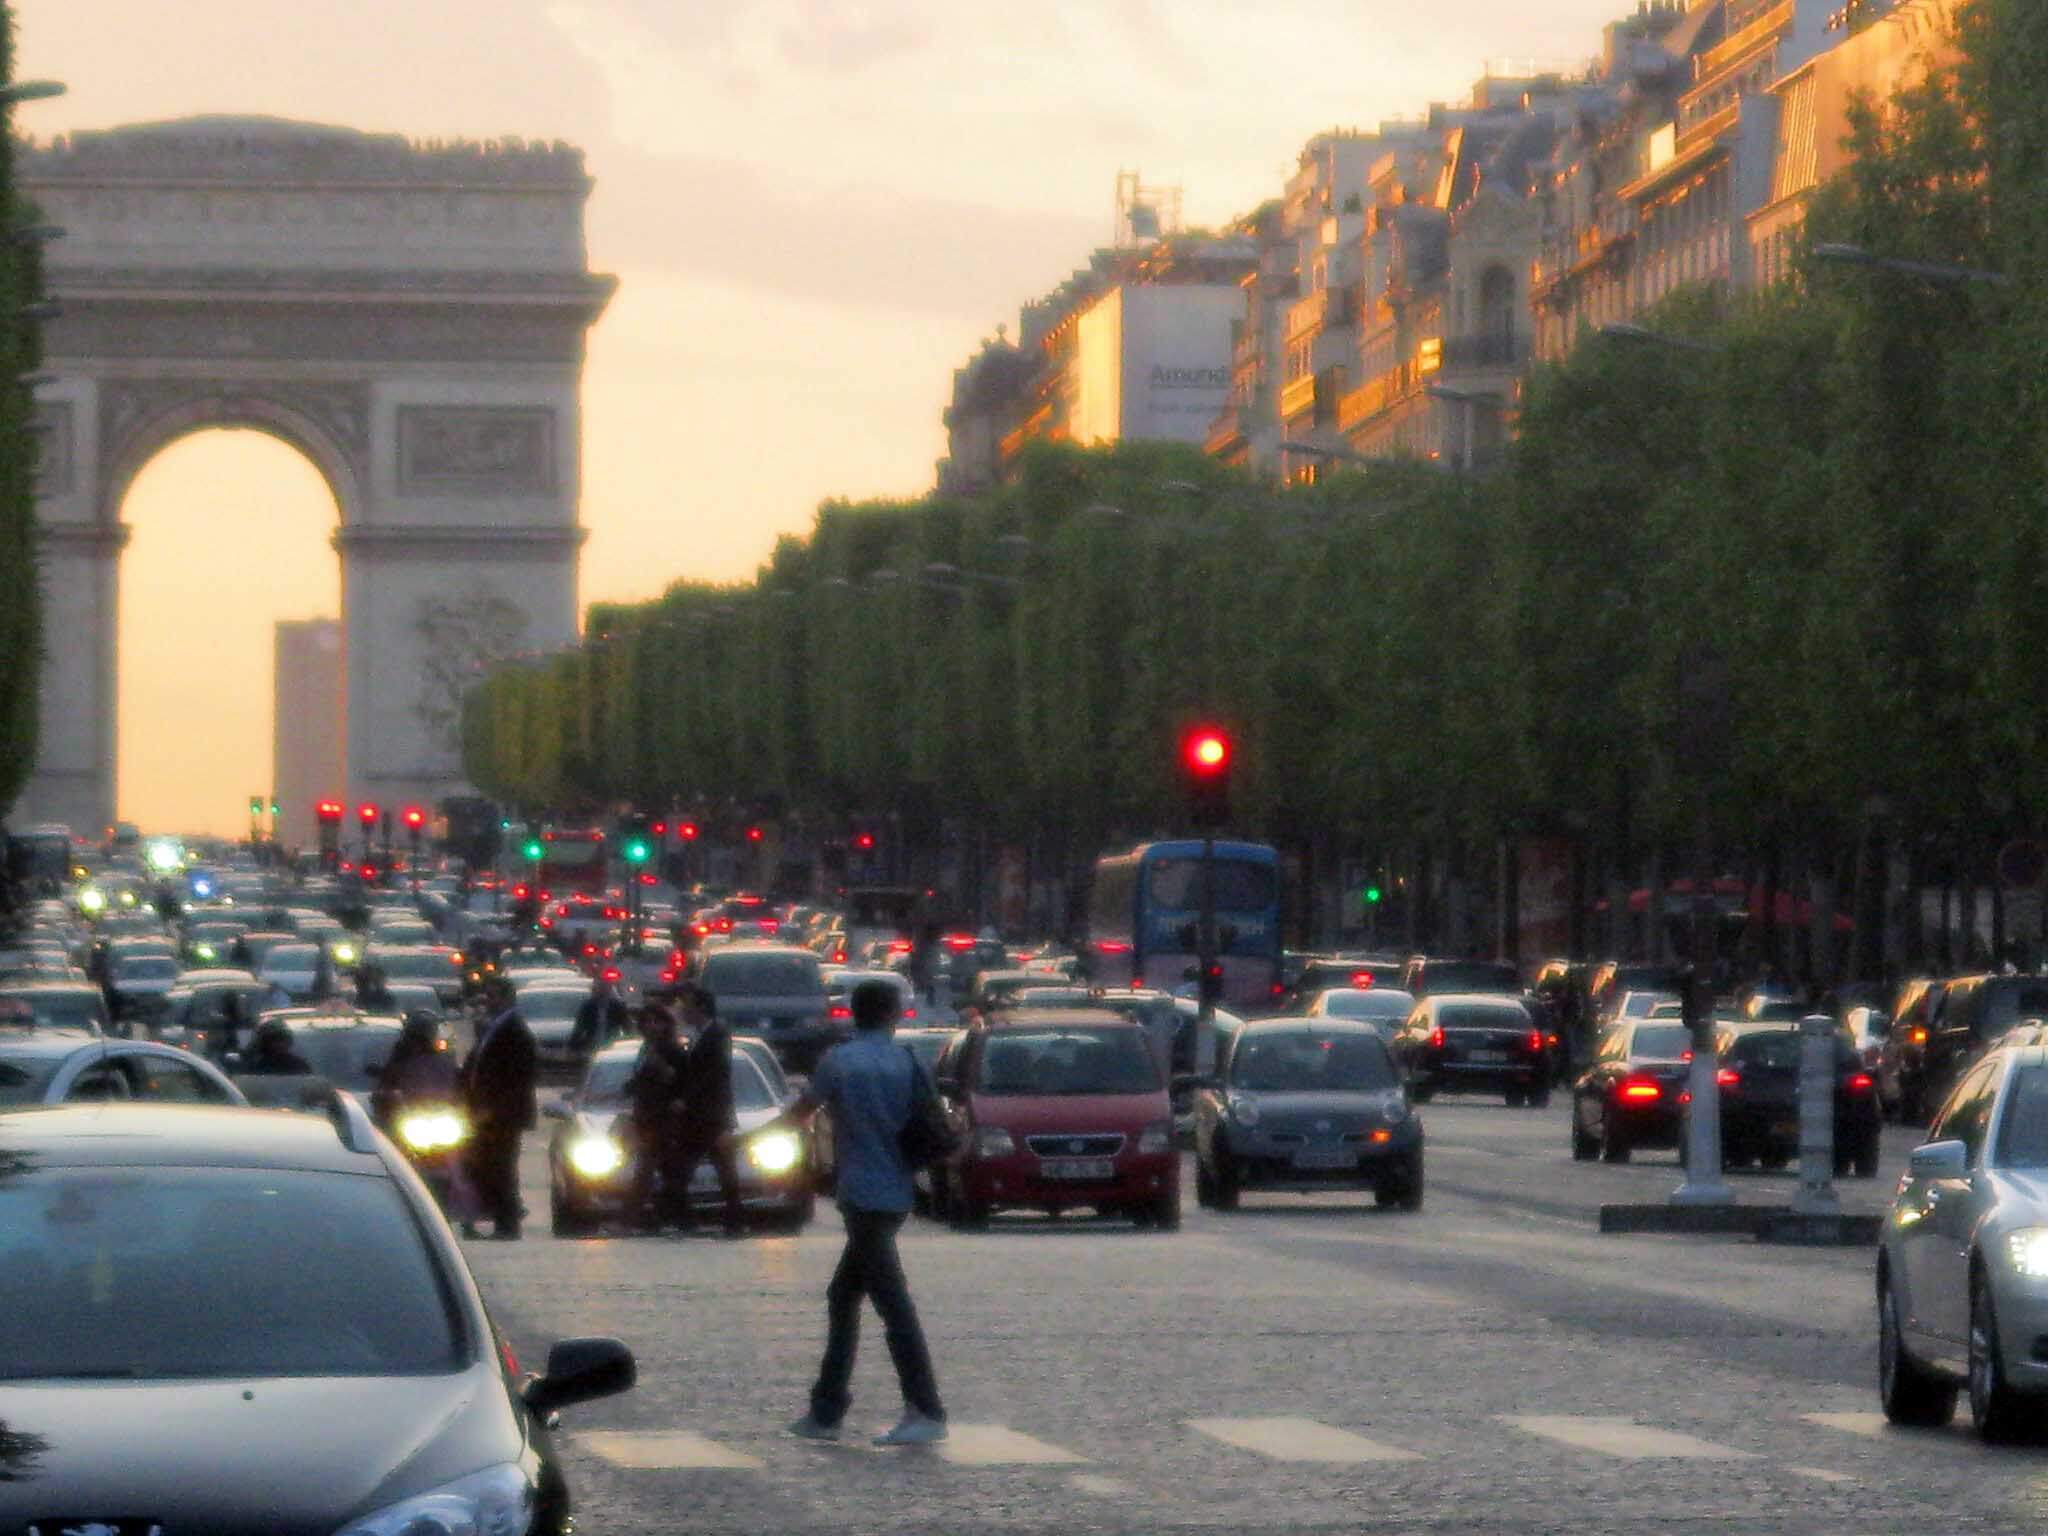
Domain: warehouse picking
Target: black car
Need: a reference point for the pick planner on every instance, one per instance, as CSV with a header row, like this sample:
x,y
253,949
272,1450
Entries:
x,y
239,1323
1632,1095
1320,973
1474,1043
1758,1076
1964,1017
1428,976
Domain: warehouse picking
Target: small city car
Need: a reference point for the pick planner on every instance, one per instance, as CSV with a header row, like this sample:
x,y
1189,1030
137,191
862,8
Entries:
x,y
225,1320
1306,1104
1474,1043
1757,1074
593,1152
1633,1094
1061,1109
1962,1264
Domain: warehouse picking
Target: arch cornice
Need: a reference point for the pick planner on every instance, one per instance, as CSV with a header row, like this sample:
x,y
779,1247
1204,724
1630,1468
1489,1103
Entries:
x,y
327,420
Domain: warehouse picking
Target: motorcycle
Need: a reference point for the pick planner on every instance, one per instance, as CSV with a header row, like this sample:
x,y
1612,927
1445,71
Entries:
x,y
432,1135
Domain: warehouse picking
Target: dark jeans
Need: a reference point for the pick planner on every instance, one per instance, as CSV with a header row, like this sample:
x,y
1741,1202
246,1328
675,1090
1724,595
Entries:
x,y
870,1267
494,1166
687,1147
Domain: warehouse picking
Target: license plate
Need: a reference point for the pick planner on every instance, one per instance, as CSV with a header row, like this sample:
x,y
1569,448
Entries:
x,y
1077,1168
1487,1056
1326,1157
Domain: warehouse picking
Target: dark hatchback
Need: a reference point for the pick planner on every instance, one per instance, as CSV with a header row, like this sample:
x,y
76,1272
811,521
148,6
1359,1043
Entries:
x,y
1758,1081
232,1322
1474,1043
1634,1093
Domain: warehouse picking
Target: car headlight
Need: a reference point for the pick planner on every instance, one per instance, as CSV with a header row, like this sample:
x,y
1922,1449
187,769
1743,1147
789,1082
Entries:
x,y
993,1141
2027,1251
429,1130
777,1152
1245,1112
495,1502
1395,1112
596,1156
1156,1138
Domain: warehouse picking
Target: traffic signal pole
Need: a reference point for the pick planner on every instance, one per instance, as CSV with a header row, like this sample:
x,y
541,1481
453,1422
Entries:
x,y
1205,942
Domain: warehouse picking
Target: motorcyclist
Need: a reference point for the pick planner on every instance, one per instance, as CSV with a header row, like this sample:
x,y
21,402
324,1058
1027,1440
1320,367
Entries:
x,y
372,990
419,1071
271,1053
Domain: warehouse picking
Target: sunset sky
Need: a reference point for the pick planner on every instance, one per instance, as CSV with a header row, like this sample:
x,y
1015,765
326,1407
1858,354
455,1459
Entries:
x,y
817,209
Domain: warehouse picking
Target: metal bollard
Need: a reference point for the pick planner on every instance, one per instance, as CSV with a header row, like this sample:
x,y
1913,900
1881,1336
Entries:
x,y
1816,1193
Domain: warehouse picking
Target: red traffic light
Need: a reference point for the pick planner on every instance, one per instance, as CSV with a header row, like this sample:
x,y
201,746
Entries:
x,y
368,813
1206,752
415,818
754,834
328,810
687,831
659,829
865,841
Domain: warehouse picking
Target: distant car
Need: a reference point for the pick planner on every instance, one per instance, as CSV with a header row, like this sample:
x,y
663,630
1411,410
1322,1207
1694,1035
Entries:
x,y
1313,974
436,965
1757,1074
1962,1302
297,970
1382,1007
1632,1094
1474,1043
346,1050
839,985
591,1153
62,1066
166,1266
1062,1109
1306,1104
775,991
549,1009
62,1004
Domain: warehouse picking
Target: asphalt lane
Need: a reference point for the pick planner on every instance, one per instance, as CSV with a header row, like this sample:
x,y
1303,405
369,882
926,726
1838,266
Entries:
x,y
1307,1363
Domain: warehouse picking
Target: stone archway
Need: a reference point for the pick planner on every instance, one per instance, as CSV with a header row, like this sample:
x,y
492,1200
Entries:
x,y
410,317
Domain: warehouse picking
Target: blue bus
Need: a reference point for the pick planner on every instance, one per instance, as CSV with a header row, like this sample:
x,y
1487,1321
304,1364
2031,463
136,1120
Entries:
x,y
1145,907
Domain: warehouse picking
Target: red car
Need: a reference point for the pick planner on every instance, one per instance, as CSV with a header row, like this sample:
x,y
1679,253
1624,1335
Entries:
x,y
1063,1109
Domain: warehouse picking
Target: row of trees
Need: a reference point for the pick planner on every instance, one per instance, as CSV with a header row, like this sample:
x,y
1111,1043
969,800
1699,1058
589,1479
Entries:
x,y
1786,583
20,594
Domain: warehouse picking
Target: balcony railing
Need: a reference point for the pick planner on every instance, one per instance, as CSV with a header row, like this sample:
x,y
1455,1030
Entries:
x,y
1376,394
1728,50
1494,350
1298,396
1705,129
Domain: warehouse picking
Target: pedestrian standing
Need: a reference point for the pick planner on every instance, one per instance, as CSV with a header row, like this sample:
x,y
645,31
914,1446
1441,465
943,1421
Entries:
x,y
868,1084
654,1091
705,1122
498,1081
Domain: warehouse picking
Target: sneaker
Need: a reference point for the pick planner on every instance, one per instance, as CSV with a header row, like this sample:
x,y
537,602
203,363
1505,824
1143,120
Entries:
x,y
914,1429
809,1428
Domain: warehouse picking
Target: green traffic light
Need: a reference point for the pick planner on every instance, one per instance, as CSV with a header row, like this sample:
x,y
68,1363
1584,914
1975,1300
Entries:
x,y
533,848
1372,895
636,851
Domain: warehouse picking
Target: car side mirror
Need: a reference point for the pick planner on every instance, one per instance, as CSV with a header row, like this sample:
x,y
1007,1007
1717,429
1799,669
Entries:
x,y
1940,1160
580,1370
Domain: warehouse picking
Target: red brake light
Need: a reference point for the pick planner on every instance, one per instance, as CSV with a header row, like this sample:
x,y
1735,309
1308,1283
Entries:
x,y
1113,947
1728,1077
1361,978
841,1011
1641,1092
1535,1042
1860,1082
1278,988
839,957
910,1013
611,973
1916,1036
959,941
1436,1038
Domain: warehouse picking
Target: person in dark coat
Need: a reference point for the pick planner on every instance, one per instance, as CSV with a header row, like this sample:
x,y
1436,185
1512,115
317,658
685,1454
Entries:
x,y
272,1055
498,1083
655,1092
601,1018
706,1119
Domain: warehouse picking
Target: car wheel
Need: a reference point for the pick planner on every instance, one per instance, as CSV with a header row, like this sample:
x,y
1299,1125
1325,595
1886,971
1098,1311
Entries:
x,y
1224,1183
1908,1392
1614,1147
1585,1145
1539,1098
1205,1185
1866,1158
797,1217
1163,1214
1515,1098
1774,1159
1410,1198
965,1215
1421,1092
1996,1411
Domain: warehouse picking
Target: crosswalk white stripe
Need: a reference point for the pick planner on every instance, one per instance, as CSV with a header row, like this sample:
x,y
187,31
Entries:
x,y
1873,1425
1285,1439
668,1450
994,1445
1821,1474
1623,1439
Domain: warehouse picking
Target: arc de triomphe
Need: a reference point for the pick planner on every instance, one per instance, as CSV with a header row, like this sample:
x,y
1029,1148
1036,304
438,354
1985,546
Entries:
x,y
410,317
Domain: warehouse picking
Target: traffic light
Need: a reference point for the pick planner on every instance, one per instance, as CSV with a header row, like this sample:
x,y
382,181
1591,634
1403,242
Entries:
x,y
865,842
328,812
755,834
635,846
1373,895
532,849
368,815
687,831
415,819
1206,754
255,805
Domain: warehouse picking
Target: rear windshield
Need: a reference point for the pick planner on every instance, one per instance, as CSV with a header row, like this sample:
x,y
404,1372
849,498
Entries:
x,y
1482,1018
1380,1003
1063,1061
347,1058
146,968
1302,1061
23,1078
1779,1050
743,975
425,963
292,957
1176,884
1661,1044
2007,1005
1470,976
153,1273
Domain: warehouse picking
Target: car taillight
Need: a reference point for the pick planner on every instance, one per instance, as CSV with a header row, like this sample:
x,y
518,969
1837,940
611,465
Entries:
x,y
1361,979
1638,1091
839,957
1916,1036
1535,1042
910,1013
1436,1038
1728,1077
841,1011
1860,1082
1278,988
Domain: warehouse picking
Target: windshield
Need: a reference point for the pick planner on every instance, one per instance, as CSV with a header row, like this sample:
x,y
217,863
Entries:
x,y
609,1079
1380,1003
1240,887
743,975
2023,1139
550,1003
1067,1061
1302,1061
1662,1044
62,1010
147,1273
425,963
23,1078
2007,1005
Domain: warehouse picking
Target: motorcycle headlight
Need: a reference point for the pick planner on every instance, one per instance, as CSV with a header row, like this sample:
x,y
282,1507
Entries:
x,y
2027,1251
495,1502
596,1156
1245,1112
430,1130
775,1153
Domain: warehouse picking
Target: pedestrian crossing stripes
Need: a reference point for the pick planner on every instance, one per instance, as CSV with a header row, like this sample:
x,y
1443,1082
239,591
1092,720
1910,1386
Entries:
x,y
1284,1439
1623,1439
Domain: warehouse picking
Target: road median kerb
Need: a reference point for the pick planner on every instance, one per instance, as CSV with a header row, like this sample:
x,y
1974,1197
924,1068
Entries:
x,y
1765,1223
